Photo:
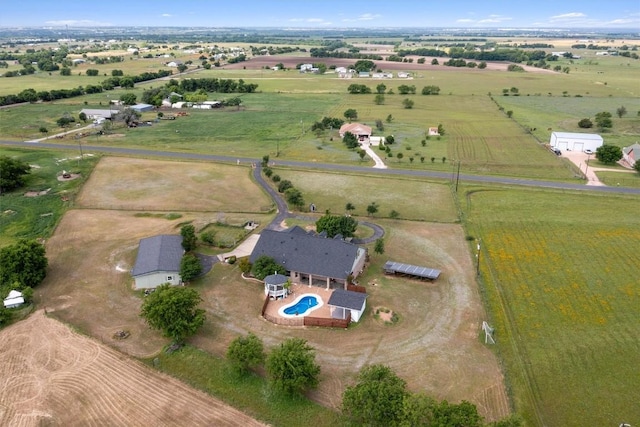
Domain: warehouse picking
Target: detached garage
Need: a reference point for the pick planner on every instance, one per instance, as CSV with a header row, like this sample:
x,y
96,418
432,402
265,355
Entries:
x,y
158,262
567,141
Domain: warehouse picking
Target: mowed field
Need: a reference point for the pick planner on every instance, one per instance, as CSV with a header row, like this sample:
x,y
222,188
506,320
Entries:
x,y
439,323
54,376
560,274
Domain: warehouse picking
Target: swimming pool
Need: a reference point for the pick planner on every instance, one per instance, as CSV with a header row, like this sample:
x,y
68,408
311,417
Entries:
x,y
302,306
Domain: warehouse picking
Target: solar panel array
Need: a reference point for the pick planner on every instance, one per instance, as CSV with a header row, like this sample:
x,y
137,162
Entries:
x,y
413,270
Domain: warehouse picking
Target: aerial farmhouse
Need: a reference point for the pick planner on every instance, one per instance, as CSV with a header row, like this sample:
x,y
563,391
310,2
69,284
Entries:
x,y
569,141
310,258
158,262
631,154
360,131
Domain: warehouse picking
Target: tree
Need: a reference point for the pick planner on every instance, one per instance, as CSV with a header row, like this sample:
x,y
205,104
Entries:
x,y
65,71
407,103
509,113
182,68
400,156
284,185
608,154
264,266
379,99
389,139
636,166
23,263
291,366
337,224
294,197
128,98
434,61
372,208
245,353
441,129
585,124
379,246
128,116
389,118
173,310
349,207
190,267
189,239
44,130
361,154
381,88
92,72
117,73
350,140
83,116
603,120
621,111
351,114
12,173
377,399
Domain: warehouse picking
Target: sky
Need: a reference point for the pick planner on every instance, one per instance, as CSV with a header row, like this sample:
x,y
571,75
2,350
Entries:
x,y
323,13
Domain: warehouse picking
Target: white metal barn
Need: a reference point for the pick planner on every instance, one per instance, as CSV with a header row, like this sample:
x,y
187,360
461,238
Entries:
x,y
568,141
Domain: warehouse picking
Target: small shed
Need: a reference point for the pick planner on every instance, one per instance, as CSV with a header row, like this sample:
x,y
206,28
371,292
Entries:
x,y
392,267
141,108
343,302
275,286
14,299
570,141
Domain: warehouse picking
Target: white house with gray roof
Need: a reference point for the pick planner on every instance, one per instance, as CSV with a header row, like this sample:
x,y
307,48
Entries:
x,y
311,259
158,261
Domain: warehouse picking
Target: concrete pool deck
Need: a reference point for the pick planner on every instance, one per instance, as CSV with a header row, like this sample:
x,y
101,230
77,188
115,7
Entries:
x,y
297,290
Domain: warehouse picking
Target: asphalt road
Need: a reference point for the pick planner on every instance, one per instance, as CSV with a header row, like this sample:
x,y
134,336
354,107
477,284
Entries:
x,y
330,167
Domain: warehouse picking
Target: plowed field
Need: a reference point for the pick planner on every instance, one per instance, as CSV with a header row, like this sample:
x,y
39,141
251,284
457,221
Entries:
x,y
53,376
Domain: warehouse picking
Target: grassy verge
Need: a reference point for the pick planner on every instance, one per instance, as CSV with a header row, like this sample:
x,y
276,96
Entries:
x,y
250,394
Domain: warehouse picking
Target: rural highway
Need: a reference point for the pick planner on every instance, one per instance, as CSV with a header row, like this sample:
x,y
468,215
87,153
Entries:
x,y
328,167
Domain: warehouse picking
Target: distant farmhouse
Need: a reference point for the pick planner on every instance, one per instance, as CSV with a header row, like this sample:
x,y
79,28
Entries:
x,y
158,261
311,258
362,132
569,141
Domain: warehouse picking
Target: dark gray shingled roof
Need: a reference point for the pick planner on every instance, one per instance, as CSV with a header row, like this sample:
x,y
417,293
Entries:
x,y
347,299
276,279
158,253
296,250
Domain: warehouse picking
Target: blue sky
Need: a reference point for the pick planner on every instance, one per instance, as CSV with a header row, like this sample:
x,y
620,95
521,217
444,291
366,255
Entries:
x,y
324,13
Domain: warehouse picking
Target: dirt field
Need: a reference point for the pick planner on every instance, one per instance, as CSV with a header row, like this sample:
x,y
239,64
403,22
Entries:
x,y
434,346
52,376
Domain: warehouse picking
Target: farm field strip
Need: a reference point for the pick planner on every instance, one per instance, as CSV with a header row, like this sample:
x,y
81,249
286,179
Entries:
x,y
574,322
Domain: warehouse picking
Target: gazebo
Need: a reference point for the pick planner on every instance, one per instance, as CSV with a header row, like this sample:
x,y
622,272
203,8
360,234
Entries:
x,y
275,286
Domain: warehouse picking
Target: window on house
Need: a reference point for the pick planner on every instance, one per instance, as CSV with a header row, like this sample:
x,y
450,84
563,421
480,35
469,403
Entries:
x,y
169,278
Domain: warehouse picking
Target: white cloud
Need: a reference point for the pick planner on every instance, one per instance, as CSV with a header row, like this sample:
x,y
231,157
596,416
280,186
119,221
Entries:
x,y
78,23
368,17
494,19
568,16
465,21
166,15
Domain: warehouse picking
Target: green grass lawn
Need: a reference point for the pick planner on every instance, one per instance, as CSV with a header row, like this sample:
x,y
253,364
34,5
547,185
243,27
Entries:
x,y
560,279
250,394
36,217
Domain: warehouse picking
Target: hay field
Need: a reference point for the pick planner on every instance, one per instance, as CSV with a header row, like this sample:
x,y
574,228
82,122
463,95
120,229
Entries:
x,y
155,185
54,376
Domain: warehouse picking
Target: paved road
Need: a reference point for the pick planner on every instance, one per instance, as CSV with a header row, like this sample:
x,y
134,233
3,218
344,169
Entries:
x,y
331,167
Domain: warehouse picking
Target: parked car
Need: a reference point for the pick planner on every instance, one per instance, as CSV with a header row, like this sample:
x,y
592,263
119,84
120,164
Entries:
x,y
556,151
587,151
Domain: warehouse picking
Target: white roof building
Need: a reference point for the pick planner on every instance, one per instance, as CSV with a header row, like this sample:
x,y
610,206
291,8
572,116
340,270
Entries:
x,y
14,299
569,141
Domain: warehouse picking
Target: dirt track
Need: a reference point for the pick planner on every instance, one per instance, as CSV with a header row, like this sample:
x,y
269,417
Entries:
x,y
53,376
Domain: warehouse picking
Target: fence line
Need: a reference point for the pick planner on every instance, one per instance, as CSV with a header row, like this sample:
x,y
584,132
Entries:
x,y
357,288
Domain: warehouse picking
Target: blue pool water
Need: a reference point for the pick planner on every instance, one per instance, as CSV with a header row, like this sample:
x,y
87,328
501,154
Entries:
x,y
302,306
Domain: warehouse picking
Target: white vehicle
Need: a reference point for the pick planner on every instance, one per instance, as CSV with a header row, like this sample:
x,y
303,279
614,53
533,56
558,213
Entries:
x,y
587,151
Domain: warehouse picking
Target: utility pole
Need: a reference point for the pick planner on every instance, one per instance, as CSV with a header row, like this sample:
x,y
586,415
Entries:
x,y
478,259
458,176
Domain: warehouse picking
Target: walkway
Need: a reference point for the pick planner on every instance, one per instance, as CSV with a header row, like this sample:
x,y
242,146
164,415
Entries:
x,y
366,146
